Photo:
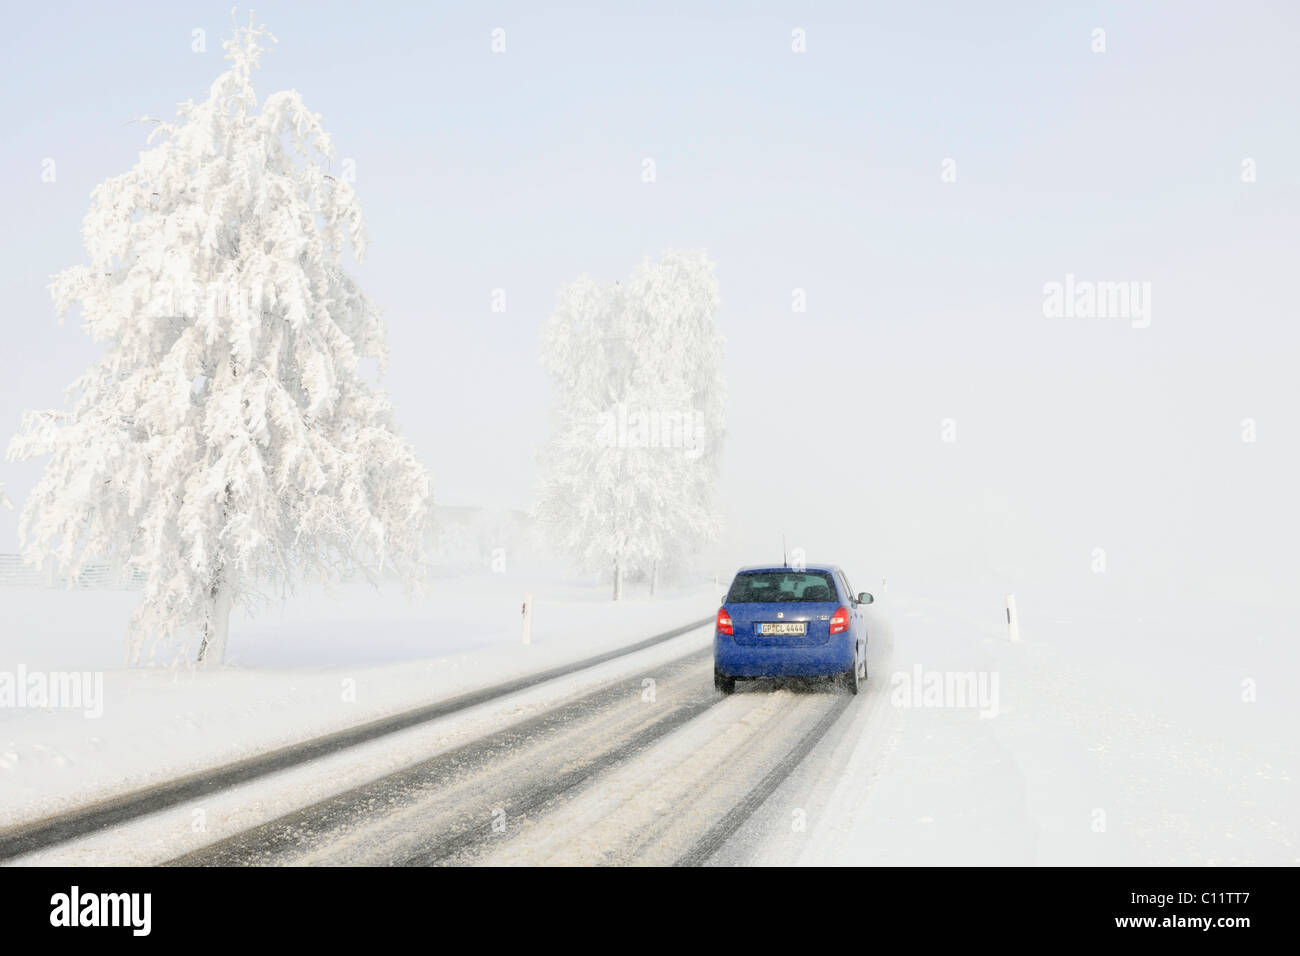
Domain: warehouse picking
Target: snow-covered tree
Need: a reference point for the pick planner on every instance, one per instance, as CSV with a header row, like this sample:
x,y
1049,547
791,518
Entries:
x,y
228,436
627,479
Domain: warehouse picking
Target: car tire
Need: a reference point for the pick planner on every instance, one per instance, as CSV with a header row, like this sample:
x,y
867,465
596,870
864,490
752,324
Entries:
x,y
849,679
724,683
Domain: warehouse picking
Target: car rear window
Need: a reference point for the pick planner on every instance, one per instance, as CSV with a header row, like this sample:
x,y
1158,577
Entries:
x,y
771,587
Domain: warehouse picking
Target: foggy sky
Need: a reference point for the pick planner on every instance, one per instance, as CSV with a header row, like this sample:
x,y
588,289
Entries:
x,y
818,171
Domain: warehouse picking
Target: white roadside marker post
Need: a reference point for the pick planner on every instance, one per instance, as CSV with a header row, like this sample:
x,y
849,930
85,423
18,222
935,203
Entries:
x,y
528,618
1013,623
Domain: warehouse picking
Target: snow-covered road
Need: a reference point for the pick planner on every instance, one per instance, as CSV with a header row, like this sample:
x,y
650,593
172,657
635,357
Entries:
x,y
637,759
656,768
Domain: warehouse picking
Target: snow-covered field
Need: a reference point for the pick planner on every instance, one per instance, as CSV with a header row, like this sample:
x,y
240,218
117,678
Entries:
x,y
1103,747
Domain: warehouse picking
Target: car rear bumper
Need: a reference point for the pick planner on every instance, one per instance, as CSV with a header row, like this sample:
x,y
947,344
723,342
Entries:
x,y
752,660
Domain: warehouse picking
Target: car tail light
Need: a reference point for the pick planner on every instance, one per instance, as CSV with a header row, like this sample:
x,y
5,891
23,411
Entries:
x,y
724,621
840,621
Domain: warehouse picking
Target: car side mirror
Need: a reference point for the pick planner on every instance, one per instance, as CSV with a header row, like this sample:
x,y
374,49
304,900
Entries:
x,y
724,599
865,598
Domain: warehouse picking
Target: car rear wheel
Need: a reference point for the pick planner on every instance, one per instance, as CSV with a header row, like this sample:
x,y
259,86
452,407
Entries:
x,y
723,683
849,679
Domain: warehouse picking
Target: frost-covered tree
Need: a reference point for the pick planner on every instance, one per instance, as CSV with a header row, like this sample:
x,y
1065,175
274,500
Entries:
x,y
228,436
627,478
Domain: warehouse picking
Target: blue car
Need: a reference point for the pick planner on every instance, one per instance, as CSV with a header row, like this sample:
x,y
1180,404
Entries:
x,y
788,622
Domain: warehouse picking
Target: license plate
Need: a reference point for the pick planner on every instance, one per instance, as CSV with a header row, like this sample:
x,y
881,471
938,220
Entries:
x,y
783,629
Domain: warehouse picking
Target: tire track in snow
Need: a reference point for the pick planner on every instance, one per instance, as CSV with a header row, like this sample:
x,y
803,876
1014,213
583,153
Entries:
x,y
443,806
61,828
697,784
724,829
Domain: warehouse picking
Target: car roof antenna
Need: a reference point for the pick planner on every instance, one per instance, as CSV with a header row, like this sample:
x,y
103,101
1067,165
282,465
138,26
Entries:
x,y
784,562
